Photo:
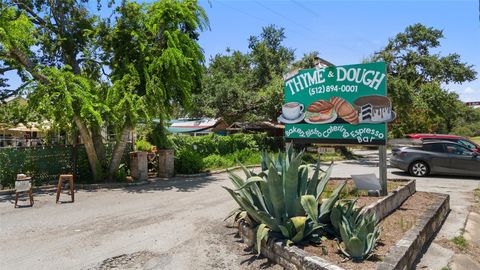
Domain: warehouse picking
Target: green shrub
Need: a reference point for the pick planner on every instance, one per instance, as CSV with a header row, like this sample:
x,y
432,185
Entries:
x,y
359,232
222,145
188,161
142,145
160,138
216,162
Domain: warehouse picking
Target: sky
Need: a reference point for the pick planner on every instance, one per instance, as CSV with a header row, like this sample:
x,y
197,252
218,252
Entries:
x,y
346,32
343,32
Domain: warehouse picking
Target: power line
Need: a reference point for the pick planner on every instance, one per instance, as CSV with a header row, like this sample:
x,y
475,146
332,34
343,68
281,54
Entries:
x,y
283,16
241,11
305,8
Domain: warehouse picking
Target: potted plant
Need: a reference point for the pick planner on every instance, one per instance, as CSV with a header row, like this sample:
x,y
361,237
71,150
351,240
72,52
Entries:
x,y
139,161
165,151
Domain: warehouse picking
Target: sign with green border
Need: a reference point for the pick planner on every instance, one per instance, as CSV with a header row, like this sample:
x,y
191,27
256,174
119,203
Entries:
x,y
339,104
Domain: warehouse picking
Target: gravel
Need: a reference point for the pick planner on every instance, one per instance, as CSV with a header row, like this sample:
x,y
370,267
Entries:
x,y
174,224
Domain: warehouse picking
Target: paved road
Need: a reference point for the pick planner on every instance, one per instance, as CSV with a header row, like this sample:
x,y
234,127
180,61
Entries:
x,y
174,224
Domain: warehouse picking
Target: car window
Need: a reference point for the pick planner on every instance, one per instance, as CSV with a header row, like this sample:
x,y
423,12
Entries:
x,y
467,144
433,147
458,150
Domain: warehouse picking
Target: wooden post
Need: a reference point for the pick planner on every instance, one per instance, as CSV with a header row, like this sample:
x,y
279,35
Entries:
x,y
382,165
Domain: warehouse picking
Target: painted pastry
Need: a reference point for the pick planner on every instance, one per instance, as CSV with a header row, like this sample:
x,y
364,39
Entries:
x,y
373,109
345,110
319,111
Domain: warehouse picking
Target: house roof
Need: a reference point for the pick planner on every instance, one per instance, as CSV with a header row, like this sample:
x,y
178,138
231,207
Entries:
x,y
254,125
319,63
192,125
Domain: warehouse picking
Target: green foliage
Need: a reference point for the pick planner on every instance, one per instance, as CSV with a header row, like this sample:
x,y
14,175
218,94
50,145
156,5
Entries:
x,y
223,145
359,232
245,156
14,113
344,208
468,125
121,173
159,137
282,200
151,51
415,82
142,145
188,161
460,241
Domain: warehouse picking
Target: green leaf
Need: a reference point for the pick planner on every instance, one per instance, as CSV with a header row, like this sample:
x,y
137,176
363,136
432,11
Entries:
x,y
262,233
324,180
327,206
310,205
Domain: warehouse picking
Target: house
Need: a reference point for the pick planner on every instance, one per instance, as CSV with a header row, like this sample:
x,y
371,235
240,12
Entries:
x,y
197,126
20,135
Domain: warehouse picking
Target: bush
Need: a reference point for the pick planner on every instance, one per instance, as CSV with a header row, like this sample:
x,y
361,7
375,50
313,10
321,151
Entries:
x,y
142,145
216,161
188,161
222,145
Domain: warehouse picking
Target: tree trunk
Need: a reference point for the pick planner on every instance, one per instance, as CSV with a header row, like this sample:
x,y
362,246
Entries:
x,y
98,142
89,147
118,151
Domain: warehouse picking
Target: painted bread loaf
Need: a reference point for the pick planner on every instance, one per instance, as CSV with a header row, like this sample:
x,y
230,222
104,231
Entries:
x,y
345,110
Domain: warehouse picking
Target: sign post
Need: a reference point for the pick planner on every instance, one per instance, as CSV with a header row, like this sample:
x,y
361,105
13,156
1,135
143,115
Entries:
x,y
339,105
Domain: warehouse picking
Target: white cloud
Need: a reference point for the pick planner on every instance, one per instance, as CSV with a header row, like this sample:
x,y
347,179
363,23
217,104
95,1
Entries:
x,y
469,90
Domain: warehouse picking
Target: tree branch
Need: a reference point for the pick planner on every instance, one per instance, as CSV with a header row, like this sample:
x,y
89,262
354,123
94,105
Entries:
x,y
13,92
28,65
36,19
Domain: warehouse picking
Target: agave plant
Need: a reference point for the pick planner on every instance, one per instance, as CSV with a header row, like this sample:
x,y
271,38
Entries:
x,y
359,233
344,208
281,198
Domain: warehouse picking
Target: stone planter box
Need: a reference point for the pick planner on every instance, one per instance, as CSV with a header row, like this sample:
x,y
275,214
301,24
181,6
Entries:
x,y
403,255
139,165
166,163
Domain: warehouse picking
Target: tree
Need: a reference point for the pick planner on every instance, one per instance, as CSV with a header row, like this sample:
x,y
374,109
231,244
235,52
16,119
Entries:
x,y
247,86
153,65
416,79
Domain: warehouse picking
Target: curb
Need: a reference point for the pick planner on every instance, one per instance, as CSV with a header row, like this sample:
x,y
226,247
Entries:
x,y
404,254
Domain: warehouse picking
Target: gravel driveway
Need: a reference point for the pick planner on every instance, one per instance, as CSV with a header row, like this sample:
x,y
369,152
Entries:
x,y
175,224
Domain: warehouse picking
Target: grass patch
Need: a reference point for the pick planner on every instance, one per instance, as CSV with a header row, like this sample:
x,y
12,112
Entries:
x,y
476,139
446,268
476,193
460,241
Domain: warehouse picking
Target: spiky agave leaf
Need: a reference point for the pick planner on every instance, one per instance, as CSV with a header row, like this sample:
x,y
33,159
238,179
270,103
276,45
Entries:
x,y
297,229
326,207
262,233
324,177
290,180
257,215
310,205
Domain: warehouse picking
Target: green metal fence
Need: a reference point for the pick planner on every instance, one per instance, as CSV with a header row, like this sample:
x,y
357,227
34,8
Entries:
x,y
45,163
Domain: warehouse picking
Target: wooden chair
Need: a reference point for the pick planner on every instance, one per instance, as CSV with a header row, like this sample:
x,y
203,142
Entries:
x,y
23,184
61,179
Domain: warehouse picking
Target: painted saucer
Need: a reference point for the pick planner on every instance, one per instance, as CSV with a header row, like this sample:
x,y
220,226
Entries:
x,y
292,121
333,118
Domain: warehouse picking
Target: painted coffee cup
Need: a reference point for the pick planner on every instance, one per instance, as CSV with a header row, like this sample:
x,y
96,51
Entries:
x,y
292,110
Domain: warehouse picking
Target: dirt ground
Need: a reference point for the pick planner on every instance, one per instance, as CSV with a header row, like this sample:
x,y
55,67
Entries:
x,y
393,228
175,224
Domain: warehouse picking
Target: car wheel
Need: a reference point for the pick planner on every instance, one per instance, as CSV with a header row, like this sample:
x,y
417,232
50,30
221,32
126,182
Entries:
x,y
419,168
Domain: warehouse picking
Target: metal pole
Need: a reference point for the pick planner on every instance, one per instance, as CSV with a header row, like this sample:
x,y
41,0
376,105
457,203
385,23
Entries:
x,y
382,165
